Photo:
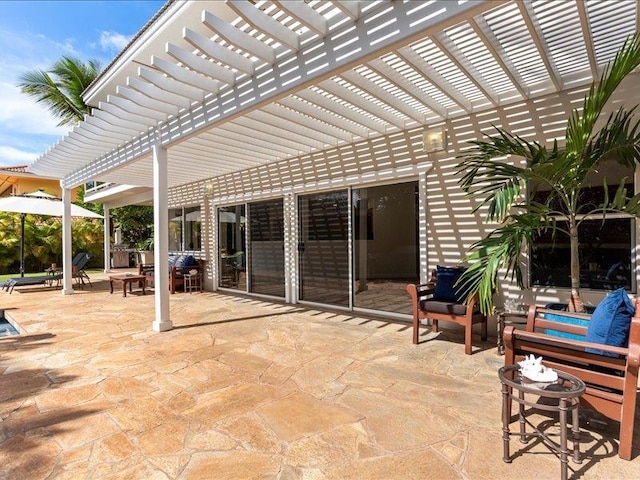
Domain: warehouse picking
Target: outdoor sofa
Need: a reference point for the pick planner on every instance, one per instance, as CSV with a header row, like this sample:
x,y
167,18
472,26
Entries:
x,y
179,265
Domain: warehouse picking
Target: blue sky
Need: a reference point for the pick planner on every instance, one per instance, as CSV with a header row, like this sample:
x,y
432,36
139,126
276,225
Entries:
x,y
33,35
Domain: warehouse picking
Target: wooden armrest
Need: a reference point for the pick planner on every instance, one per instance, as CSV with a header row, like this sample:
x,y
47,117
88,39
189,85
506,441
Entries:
x,y
568,343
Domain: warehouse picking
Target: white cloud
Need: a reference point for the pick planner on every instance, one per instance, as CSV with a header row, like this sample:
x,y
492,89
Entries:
x,y
113,40
13,156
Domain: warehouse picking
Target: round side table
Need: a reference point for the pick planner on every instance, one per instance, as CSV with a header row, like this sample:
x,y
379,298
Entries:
x,y
567,390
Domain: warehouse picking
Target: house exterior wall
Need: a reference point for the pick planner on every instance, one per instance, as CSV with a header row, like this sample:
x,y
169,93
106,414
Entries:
x,y
448,227
16,185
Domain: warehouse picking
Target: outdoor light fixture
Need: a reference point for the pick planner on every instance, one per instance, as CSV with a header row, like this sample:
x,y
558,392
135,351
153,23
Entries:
x,y
208,189
434,140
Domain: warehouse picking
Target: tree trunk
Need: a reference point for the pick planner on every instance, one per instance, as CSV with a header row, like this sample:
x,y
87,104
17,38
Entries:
x,y
575,303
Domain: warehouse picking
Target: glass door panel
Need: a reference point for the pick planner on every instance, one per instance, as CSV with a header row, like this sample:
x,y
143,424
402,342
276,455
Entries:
x,y
324,248
266,252
385,245
232,247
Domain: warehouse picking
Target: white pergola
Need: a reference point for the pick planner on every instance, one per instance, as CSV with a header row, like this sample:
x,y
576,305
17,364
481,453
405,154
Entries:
x,y
210,88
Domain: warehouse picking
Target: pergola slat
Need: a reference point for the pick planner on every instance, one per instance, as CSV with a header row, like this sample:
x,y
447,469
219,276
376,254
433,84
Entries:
x,y
341,110
127,115
170,85
308,121
219,53
183,75
159,94
199,64
239,38
305,15
267,25
117,121
314,111
135,108
143,100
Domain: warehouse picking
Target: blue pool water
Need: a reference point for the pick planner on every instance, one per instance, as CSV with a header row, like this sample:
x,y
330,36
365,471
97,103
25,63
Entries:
x,y
6,329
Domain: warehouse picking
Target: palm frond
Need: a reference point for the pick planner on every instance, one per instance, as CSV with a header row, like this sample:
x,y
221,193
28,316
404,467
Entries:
x,y
581,123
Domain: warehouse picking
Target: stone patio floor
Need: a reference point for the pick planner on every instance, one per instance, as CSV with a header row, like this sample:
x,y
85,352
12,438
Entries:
x,y
243,388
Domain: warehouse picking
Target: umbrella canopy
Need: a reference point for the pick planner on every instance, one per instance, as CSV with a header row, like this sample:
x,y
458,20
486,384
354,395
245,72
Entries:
x,y
42,206
38,203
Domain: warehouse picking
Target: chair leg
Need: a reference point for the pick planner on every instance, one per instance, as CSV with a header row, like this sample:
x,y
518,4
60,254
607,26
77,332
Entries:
x,y
416,329
468,332
627,414
434,325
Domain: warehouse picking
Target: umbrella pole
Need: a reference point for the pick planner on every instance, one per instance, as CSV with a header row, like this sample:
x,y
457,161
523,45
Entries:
x,y
22,217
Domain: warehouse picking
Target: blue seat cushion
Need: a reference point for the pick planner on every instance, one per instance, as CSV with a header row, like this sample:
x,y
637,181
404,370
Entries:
x,y
172,260
567,321
611,321
446,277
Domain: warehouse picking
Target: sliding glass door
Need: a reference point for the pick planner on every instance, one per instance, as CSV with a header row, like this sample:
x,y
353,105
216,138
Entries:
x,y
232,247
266,248
385,245
323,247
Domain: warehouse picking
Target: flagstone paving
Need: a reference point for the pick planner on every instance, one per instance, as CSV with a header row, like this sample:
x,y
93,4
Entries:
x,y
244,388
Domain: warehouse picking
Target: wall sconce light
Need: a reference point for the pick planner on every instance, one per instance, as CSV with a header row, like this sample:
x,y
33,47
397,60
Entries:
x,y
434,140
208,189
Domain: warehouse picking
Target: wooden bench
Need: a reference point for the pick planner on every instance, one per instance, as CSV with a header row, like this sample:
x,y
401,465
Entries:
x,y
425,307
612,382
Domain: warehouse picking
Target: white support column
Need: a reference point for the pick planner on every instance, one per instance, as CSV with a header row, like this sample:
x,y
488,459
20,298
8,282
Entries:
x,y
67,272
162,320
290,248
107,240
422,228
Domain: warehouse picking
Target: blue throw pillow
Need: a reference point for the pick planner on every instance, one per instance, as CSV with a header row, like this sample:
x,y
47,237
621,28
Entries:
x,y
185,261
611,321
172,260
446,277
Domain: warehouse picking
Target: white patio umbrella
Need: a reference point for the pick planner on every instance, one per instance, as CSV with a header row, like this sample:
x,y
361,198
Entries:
x,y
38,203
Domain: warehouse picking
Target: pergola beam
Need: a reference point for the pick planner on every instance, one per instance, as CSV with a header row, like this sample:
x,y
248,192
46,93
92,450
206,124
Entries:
x,y
314,111
362,103
199,64
492,44
349,7
585,25
383,69
528,15
341,110
453,53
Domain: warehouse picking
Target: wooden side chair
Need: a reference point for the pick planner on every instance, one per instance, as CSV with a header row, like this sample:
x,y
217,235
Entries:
x,y
438,301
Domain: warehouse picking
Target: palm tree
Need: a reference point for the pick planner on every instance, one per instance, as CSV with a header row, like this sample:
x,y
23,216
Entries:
x,y
560,172
60,89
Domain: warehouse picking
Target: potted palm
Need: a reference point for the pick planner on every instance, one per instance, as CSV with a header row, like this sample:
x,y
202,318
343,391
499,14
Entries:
x,y
561,172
